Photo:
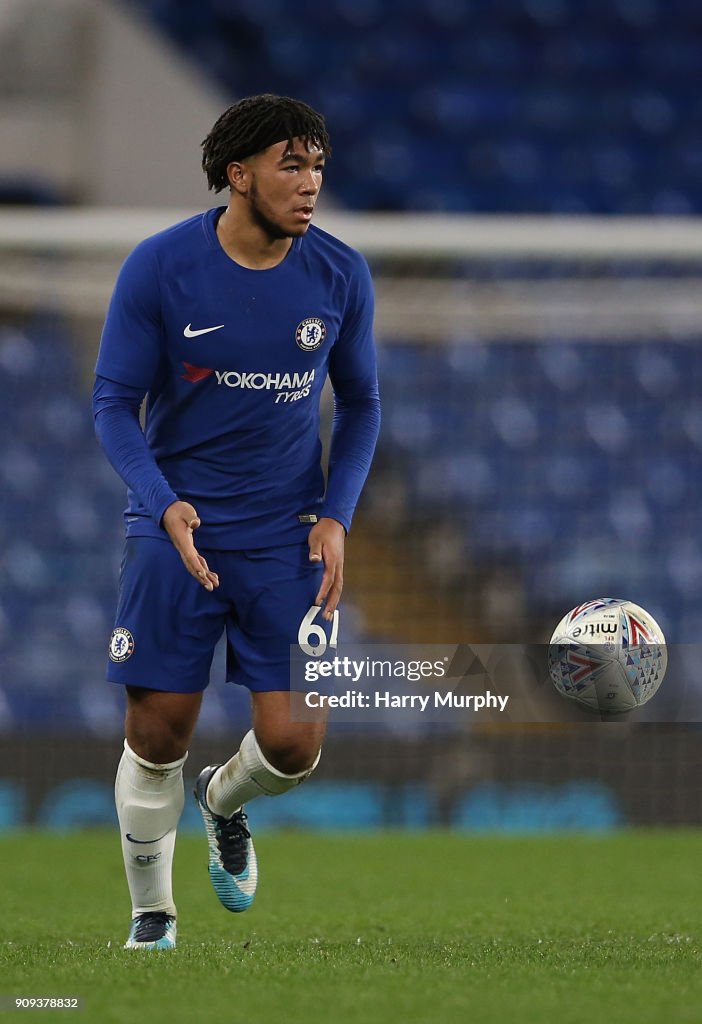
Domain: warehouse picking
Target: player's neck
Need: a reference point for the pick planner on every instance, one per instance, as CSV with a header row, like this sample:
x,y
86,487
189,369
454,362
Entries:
x,y
248,244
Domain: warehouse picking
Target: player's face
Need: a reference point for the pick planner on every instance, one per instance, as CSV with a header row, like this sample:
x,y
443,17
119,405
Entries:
x,y
284,184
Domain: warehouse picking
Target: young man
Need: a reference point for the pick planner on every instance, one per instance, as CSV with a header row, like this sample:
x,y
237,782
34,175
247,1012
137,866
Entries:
x,y
230,322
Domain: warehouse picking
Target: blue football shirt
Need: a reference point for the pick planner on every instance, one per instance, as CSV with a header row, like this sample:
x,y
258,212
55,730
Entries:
x,y
234,361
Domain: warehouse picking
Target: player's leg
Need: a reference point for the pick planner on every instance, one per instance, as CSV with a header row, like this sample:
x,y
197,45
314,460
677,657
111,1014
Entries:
x,y
277,588
171,627
275,756
149,795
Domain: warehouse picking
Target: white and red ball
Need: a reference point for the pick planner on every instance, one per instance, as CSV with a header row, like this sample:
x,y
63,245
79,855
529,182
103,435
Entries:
x,y
607,655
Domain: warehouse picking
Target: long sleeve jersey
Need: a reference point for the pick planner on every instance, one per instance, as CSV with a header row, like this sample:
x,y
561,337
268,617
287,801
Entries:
x,y
232,363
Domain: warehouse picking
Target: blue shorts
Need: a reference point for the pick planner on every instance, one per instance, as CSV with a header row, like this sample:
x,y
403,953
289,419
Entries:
x,y
167,625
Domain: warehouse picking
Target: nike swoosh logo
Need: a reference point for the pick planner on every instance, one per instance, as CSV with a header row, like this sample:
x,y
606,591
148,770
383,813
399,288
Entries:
x,y
190,333
145,842
245,882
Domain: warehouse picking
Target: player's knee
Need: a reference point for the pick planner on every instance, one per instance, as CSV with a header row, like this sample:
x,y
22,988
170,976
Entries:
x,y
292,755
158,750
160,743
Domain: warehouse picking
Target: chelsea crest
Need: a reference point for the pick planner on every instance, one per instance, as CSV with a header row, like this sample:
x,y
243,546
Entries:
x,y
310,333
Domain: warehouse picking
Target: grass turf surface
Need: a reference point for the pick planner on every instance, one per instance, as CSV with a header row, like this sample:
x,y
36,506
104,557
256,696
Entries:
x,y
428,927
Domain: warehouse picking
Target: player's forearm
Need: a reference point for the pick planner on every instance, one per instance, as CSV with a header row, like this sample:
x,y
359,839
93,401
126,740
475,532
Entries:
x,y
354,435
122,439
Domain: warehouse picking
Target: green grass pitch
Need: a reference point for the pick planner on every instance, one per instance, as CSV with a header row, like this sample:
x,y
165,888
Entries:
x,y
391,927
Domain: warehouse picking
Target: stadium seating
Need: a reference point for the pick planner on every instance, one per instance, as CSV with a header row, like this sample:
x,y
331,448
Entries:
x,y
571,489
517,106
590,480
553,106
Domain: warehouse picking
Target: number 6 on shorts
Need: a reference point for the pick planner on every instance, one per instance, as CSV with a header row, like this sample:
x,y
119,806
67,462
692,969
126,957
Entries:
x,y
311,638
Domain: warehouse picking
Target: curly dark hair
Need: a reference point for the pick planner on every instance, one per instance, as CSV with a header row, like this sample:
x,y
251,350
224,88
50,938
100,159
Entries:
x,y
252,125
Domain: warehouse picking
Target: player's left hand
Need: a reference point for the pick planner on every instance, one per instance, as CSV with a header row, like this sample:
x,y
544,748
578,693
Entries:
x,y
326,542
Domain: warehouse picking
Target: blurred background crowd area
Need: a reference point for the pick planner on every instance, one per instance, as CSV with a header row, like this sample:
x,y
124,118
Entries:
x,y
471,105
542,432
551,106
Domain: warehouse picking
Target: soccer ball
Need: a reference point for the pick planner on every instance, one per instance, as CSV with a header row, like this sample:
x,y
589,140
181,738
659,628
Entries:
x,y
607,655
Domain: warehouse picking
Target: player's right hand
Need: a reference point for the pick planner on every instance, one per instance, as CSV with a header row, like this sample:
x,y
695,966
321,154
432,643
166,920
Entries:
x,y
179,521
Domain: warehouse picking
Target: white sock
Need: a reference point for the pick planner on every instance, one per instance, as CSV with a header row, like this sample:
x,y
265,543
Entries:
x,y
247,775
149,800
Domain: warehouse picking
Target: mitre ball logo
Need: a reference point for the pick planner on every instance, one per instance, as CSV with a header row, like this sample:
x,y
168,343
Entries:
x,y
310,333
121,644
